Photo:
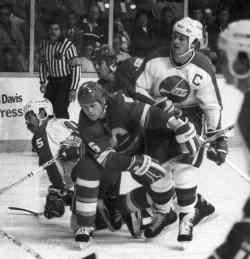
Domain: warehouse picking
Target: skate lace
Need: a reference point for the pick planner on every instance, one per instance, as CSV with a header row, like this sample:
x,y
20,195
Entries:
x,y
186,224
157,220
84,230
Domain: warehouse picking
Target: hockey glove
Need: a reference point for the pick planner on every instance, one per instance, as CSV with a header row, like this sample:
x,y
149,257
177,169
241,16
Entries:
x,y
71,149
54,206
218,149
145,169
187,137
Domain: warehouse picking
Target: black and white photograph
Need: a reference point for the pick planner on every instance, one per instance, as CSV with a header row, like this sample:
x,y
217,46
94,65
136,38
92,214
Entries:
x,y
124,129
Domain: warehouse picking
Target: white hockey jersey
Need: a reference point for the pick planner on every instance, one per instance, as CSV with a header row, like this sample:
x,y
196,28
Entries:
x,y
190,85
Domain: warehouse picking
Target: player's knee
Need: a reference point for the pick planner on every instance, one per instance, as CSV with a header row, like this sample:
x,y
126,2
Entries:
x,y
185,177
162,185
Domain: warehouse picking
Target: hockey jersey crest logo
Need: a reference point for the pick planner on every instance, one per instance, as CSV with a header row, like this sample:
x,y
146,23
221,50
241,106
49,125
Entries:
x,y
176,88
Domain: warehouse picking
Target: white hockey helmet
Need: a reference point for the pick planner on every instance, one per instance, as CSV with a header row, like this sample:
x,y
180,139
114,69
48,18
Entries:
x,y
41,108
191,28
235,42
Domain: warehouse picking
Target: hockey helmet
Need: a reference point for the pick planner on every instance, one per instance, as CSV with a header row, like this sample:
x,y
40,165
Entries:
x,y
90,92
191,28
41,108
235,42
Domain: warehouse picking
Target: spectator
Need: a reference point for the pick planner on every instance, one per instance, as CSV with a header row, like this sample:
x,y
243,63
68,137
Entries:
x,y
90,24
142,36
73,30
12,44
118,51
55,70
166,25
119,29
85,59
197,14
223,18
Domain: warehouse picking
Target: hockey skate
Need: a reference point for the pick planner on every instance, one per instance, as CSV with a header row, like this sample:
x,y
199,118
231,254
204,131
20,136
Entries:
x,y
133,221
110,215
185,227
83,236
159,222
204,210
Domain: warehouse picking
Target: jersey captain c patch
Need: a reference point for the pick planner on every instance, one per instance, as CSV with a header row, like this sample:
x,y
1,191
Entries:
x,y
176,88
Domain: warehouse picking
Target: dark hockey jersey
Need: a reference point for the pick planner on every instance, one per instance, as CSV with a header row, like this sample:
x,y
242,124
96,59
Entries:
x,y
237,244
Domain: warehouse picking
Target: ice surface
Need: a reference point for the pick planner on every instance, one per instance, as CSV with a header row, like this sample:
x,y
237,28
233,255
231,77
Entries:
x,y
53,238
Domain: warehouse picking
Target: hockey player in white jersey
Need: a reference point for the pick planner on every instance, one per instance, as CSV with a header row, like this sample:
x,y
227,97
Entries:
x,y
186,78
234,43
50,135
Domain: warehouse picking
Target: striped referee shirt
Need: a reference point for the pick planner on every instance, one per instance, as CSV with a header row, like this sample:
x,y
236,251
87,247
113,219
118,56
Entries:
x,y
55,59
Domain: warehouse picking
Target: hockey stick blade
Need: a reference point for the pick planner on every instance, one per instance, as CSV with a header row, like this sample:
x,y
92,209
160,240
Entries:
x,y
20,244
32,173
33,213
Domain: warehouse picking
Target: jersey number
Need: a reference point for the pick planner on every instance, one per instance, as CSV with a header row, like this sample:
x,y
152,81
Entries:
x,y
39,143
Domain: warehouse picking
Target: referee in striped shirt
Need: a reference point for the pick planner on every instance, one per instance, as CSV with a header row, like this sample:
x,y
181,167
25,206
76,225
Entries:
x,y
58,79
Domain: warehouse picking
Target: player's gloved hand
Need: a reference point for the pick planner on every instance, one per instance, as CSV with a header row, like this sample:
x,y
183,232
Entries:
x,y
145,169
71,149
187,137
218,149
43,88
54,206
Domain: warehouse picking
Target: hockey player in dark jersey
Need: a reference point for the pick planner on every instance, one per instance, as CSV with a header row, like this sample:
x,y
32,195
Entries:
x,y
50,134
104,119
234,43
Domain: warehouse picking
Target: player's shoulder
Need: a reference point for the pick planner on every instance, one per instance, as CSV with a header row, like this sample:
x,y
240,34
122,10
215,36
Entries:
x,y
162,52
62,123
204,63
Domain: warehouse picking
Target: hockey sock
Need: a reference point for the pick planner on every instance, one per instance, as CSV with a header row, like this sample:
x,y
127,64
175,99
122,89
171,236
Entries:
x,y
186,199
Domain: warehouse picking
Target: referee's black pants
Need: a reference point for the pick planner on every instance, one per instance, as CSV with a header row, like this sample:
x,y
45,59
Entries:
x,y
58,93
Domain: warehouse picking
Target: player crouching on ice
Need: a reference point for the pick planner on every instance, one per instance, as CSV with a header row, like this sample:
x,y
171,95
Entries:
x,y
50,134
104,117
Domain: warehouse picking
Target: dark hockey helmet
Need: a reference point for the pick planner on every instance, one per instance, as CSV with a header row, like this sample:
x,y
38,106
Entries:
x,y
90,92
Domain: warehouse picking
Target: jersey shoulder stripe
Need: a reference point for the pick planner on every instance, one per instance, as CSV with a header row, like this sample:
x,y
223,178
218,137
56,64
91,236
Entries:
x,y
203,62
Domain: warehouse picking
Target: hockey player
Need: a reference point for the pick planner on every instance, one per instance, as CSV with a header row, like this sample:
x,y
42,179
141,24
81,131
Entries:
x,y
234,43
50,135
115,117
185,77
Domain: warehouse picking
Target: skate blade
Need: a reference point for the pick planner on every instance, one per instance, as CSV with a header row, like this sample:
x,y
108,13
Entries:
x,y
84,246
161,234
184,245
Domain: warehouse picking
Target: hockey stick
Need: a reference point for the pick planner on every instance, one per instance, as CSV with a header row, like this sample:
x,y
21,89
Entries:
x,y
33,213
228,162
20,244
237,170
45,165
218,133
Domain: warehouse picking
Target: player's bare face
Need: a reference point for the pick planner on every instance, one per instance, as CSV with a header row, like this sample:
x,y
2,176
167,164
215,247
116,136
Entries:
x,y
54,32
32,122
94,111
179,44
